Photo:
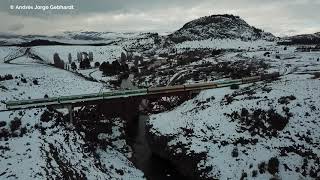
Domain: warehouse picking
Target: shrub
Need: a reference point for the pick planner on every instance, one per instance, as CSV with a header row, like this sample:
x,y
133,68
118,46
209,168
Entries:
x,y
73,66
23,131
254,173
46,116
234,86
15,124
3,87
286,99
35,82
316,75
266,54
4,133
277,121
273,165
216,52
3,123
235,152
6,77
96,64
243,176
23,80
262,167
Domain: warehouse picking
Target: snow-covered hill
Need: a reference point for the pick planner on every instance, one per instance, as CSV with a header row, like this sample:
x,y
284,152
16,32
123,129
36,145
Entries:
x,y
261,131
219,27
37,146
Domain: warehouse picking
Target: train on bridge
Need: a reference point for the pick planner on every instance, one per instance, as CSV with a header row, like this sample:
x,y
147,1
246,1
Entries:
x,y
62,100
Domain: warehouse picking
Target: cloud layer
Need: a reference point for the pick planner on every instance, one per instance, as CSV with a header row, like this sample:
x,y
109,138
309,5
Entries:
x,y
285,17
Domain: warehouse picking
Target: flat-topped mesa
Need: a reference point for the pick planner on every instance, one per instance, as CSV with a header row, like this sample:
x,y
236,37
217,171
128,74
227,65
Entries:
x,y
219,27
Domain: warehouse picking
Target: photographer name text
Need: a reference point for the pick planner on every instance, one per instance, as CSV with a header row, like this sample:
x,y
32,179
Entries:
x,y
41,7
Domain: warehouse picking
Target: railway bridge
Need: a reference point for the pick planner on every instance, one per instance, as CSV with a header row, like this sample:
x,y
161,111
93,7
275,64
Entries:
x,y
124,101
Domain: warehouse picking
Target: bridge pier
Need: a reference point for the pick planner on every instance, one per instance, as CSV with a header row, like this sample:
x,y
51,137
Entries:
x,y
70,109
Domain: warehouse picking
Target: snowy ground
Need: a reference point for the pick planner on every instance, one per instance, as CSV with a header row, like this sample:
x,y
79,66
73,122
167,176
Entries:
x,y
51,81
238,130
7,53
35,149
100,53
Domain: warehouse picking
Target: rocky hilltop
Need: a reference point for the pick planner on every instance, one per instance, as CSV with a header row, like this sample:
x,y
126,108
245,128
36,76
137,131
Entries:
x,y
219,27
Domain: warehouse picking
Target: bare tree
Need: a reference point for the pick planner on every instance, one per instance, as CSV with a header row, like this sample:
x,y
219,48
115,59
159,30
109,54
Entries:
x,y
90,56
123,57
79,56
70,58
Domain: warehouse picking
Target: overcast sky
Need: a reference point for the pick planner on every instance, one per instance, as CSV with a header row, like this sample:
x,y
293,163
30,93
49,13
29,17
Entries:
x,y
280,17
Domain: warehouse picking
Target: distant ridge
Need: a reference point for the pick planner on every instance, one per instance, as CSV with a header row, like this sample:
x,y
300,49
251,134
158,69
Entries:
x,y
41,42
303,39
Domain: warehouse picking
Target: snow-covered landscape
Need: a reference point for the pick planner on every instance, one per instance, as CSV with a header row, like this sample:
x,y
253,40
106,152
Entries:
x,y
263,130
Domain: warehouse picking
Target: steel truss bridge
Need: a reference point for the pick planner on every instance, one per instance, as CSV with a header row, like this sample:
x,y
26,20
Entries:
x,y
91,99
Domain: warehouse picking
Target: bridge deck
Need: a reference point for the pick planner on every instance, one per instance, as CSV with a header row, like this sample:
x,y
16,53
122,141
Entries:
x,y
105,96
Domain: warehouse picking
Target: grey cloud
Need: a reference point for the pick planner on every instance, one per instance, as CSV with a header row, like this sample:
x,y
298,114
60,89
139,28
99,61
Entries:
x,y
16,27
279,17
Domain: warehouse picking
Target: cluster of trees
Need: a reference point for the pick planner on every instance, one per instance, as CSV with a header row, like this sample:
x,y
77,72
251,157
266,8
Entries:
x,y
85,60
85,64
114,68
59,63
6,77
83,56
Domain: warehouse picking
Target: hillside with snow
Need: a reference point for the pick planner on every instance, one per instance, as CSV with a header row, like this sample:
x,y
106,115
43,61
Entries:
x,y
235,134
263,130
41,144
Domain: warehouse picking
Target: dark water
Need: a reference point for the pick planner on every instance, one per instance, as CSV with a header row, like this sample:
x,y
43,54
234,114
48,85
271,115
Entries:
x,y
154,167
